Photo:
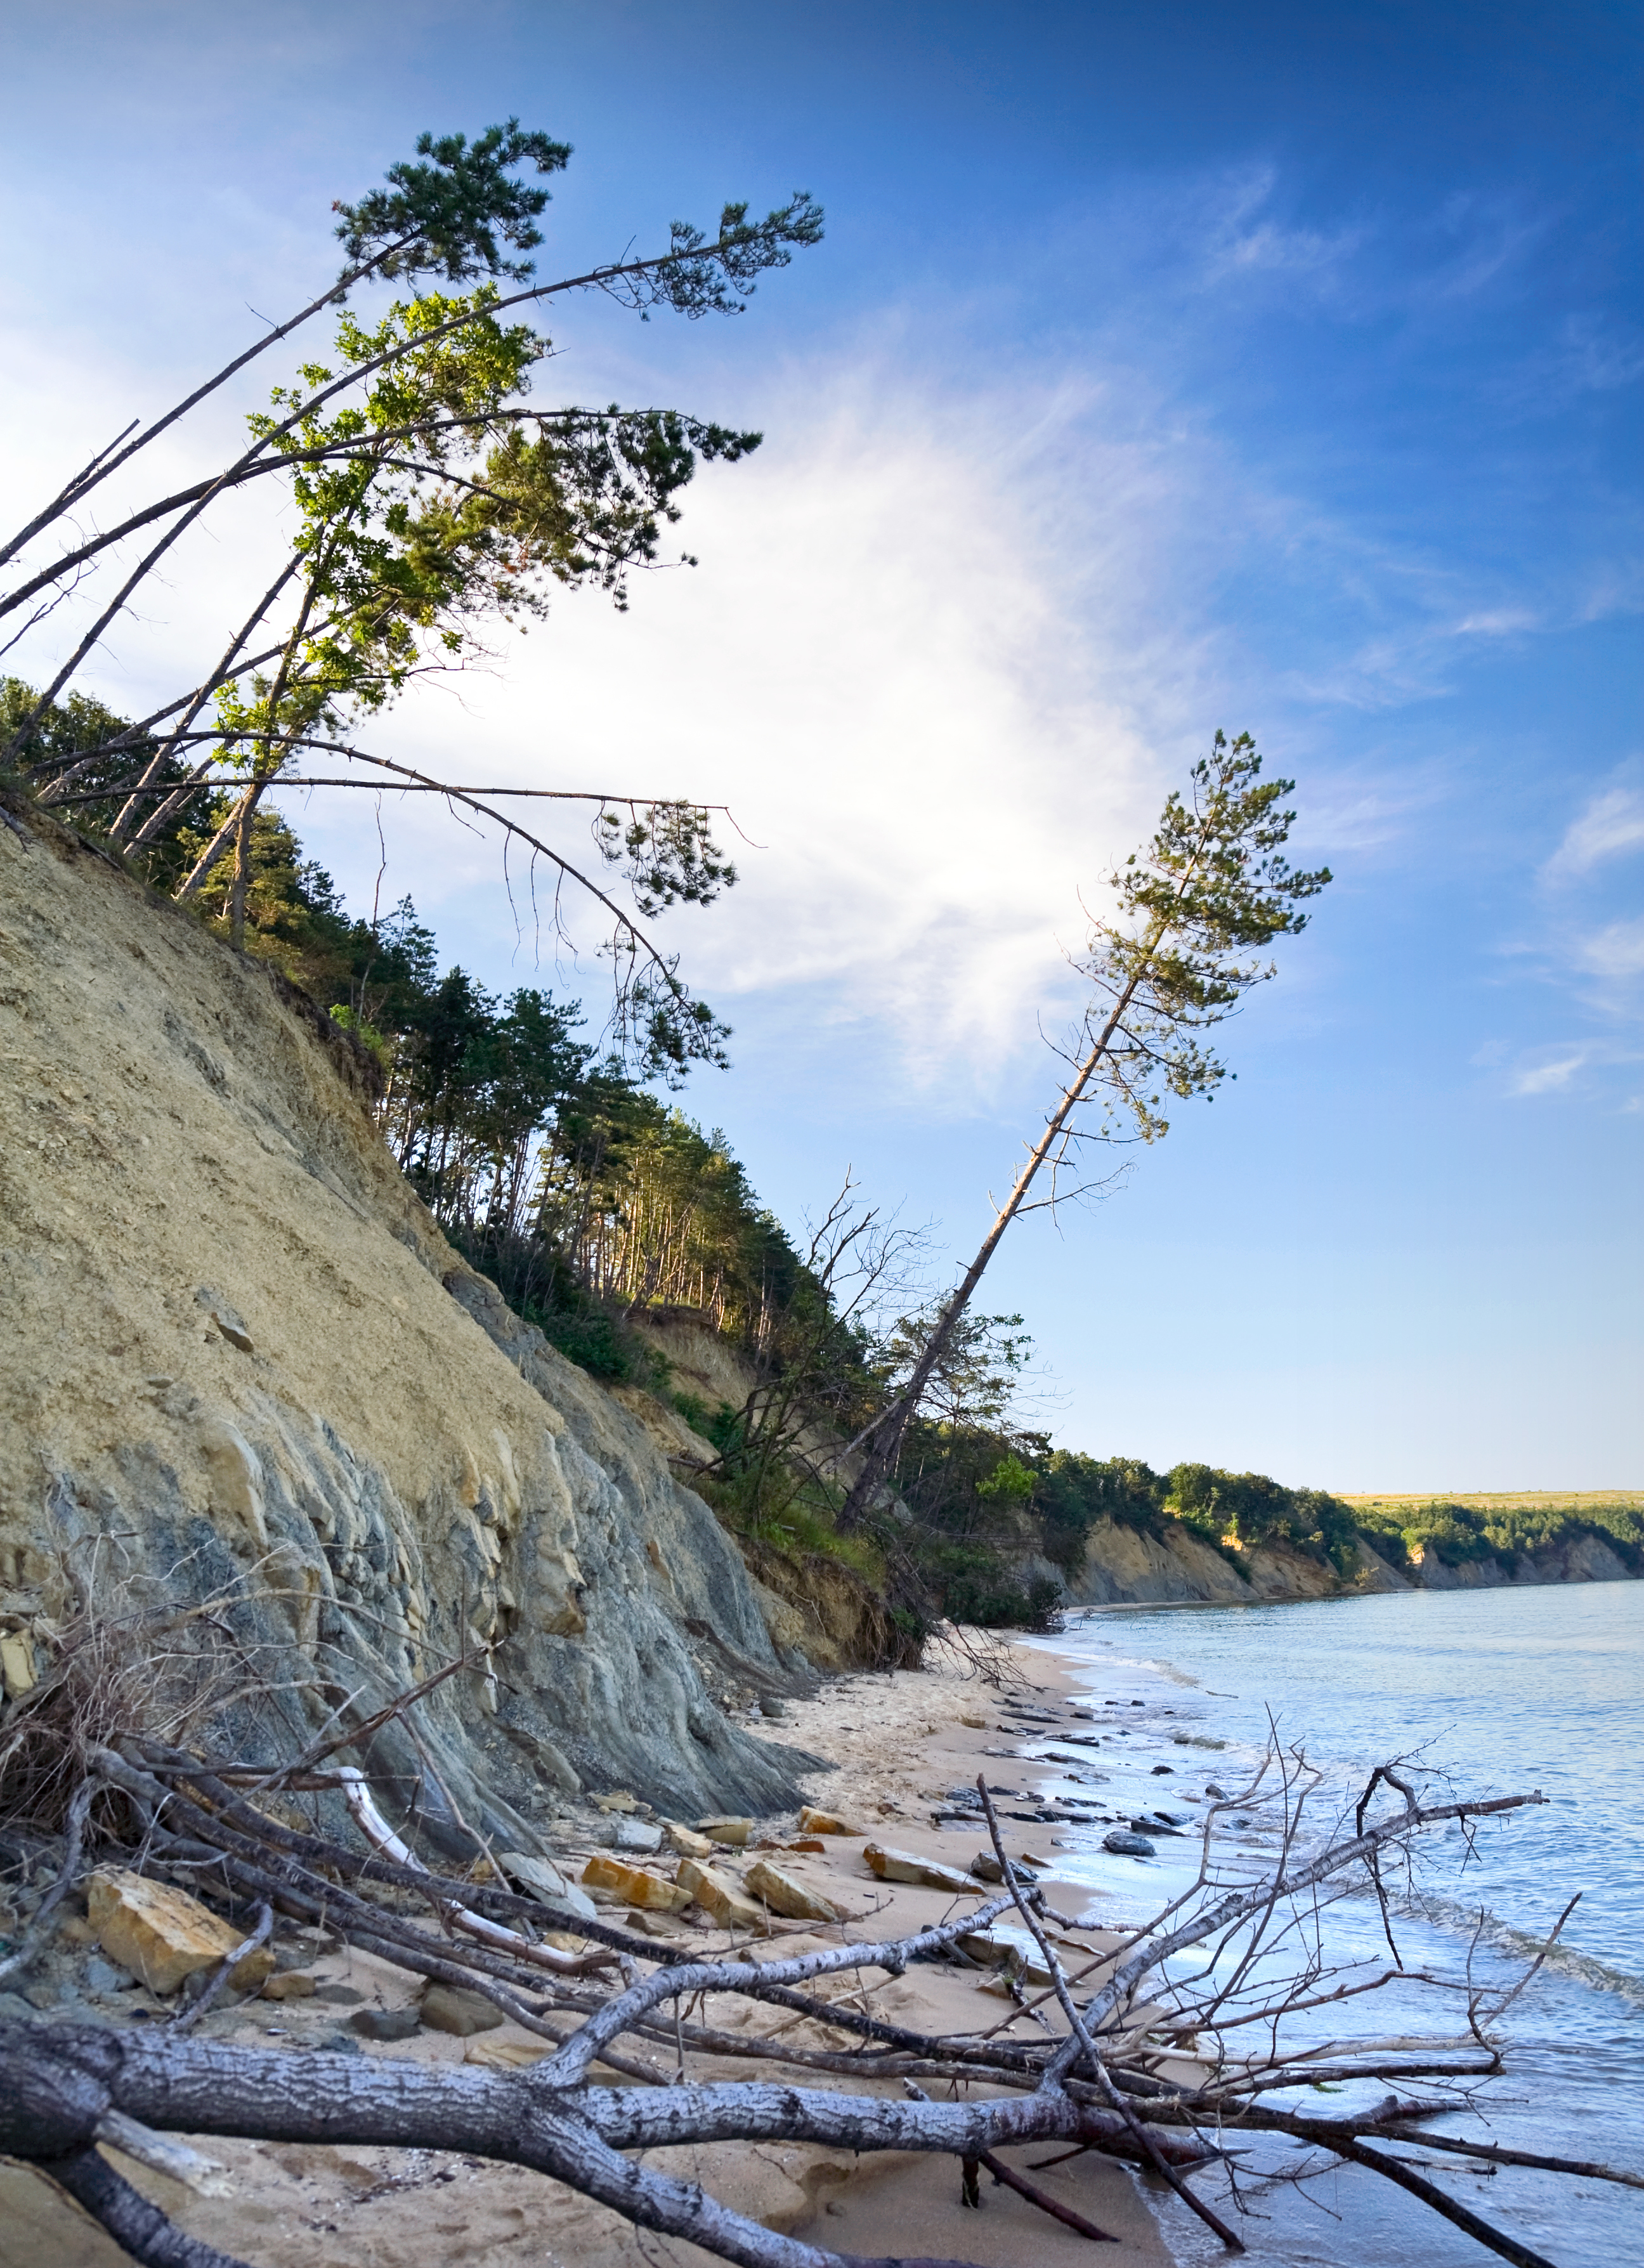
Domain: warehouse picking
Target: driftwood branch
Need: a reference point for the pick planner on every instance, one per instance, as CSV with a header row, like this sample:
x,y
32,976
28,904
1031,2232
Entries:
x,y
1160,2084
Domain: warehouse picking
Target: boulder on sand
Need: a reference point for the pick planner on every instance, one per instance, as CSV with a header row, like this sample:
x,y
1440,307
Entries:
x,y
163,1935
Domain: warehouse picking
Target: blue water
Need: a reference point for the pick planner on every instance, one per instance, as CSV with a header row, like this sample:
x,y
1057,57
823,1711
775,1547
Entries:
x,y
1486,1693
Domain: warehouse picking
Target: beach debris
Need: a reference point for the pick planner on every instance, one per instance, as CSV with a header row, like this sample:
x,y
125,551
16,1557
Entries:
x,y
734,1833
541,1879
1127,1845
641,1836
1131,2052
987,1869
718,1895
163,1935
785,1894
813,1822
293,1985
908,1866
449,2008
635,1886
385,2024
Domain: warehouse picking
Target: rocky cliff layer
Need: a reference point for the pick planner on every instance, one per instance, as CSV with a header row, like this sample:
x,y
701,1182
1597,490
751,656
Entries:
x,y
1128,1566
238,1361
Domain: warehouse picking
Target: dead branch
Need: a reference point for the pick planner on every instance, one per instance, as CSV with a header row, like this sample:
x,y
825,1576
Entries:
x,y
1159,2084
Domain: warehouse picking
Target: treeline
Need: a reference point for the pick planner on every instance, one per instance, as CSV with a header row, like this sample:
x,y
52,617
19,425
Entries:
x,y
593,1204
1455,1534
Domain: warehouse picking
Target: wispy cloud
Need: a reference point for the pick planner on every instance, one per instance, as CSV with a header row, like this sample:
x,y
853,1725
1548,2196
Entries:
x,y
1243,239
1616,951
1551,1071
1610,825
1563,1067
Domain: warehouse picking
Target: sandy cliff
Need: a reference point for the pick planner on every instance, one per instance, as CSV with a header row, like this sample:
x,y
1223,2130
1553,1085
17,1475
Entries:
x,y
238,1358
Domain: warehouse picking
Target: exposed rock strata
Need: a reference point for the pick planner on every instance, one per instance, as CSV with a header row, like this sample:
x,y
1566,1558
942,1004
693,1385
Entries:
x,y
1127,1567
237,1357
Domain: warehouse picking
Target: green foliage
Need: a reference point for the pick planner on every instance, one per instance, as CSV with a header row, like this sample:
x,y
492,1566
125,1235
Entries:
x,y
1457,1533
1249,1508
445,217
428,503
1211,885
974,1584
1074,1491
90,756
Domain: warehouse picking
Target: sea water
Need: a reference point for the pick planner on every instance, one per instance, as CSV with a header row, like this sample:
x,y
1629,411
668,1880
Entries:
x,y
1483,1693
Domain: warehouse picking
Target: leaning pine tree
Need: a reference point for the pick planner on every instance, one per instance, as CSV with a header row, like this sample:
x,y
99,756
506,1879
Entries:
x,y
419,500
1212,889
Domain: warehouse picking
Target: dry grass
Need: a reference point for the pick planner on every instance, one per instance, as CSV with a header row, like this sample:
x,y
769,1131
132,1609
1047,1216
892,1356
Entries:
x,y
126,1658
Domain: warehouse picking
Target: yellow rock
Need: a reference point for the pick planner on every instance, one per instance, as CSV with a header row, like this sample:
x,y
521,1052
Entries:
x,y
733,1831
505,2055
785,1894
686,1840
1012,1949
636,1885
17,1665
717,1895
813,1822
163,1935
619,1799
293,1984
978,1723
908,1866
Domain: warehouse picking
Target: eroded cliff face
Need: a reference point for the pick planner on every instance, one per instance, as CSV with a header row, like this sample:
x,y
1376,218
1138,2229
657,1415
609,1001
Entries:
x,y
1127,1567
236,1357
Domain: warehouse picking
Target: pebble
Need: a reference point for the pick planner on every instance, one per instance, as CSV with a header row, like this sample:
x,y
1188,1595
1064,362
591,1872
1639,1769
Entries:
x,y
388,2024
448,2008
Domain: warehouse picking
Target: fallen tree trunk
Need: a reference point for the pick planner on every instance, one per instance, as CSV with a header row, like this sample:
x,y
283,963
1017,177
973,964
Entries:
x,y
1162,2082
63,2080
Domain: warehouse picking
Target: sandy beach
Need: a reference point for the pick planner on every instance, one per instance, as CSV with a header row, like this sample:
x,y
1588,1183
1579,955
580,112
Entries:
x,y
898,1745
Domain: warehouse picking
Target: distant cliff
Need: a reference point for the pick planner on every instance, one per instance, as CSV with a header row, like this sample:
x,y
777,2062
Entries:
x,y
1168,1564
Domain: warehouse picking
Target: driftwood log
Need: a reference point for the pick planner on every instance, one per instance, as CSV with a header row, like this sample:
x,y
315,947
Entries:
x,y
1162,2052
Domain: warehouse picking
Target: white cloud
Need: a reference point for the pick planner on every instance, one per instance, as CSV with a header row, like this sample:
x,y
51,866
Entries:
x,y
1558,1068
1242,239
938,675
1616,950
1610,825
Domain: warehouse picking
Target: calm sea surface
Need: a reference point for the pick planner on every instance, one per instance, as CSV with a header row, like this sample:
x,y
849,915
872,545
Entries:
x,y
1493,1692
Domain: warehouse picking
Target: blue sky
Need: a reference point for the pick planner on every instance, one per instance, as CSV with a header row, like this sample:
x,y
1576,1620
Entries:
x,y
1163,369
